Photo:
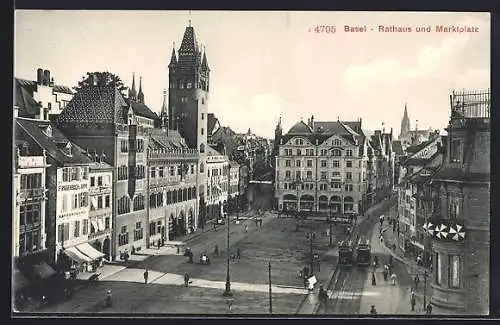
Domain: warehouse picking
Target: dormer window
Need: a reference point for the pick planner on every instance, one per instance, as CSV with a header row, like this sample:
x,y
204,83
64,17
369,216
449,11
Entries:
x,y
130,119
68,149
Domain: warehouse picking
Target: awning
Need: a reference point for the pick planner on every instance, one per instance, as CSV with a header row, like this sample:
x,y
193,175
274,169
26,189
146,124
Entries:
x,y
89,251
93,202
76,255
18,280
94,224
43,270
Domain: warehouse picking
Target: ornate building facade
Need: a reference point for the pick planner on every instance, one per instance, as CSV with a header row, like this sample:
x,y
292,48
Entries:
x,y
218,167
321,167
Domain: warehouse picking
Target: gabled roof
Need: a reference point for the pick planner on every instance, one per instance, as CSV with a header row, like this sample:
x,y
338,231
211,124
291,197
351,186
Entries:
x,y
33,84
418,147
24,99
211,123
33,131
141,109
300,128
420,161
212,152
166,140
397,147
95,104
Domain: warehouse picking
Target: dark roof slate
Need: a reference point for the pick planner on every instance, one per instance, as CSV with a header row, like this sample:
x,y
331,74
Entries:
x,y
166,140
33,131
95,104
142,110
24,99
211,121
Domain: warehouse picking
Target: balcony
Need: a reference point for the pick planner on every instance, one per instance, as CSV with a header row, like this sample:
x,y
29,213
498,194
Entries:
x,y
102,212
30,161
31,194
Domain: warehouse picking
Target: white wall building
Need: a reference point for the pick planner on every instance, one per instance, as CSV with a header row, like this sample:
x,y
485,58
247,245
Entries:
x,y
217,182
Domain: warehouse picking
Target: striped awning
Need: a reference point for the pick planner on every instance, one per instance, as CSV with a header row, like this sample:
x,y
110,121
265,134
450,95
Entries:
x,y
90,251
76,255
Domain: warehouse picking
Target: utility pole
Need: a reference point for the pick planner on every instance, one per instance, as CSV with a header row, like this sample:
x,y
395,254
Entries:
x,y
311,234
227,292
270,292
331,226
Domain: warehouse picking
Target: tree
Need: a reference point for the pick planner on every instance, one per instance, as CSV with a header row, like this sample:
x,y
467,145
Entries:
x,y
103,79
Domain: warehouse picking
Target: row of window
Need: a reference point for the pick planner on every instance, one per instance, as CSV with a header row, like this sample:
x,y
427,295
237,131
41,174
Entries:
x,y
162,171
123,237
323,163
137,172
322,186
186,84
100,202
70,174
174,196
29,242
30,181
323,152
323,175
124,204
335,142
29,214
101,181
454,270
74,201
130,144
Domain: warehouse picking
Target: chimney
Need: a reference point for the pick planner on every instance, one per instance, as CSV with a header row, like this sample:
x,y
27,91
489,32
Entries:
x,y
51,83
312,122
39,76
46,77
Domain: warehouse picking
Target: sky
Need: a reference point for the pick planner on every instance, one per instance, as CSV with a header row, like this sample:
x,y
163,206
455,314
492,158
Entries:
x,y
267,64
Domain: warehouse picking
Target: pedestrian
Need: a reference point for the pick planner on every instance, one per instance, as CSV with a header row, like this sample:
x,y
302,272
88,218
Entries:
x,y
159,243
186,279
256,222
146,276
216,250
385,273
238,253
374,280
417,281
393,278
428,309
246,228
373,311
413,301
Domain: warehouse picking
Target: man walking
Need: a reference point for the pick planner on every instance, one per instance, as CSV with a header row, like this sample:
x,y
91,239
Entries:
x,y
146,276
413,301
417,281
238,253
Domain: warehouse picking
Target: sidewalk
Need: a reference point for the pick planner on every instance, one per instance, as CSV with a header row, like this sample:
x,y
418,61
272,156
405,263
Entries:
x,y
390,239
311,303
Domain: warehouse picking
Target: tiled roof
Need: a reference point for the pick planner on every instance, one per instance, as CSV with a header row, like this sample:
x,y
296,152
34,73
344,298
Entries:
x,y
420,161
95,104
32,83
32,131
211,121
458,174
300,128
142,110
212,152
189,53
166,140
397,147
418,147
24,100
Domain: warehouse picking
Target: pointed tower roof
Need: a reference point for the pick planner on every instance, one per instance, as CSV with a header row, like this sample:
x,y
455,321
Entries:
x,y
132,94
140,95
173,58
204,62
405,114
164,107
189,50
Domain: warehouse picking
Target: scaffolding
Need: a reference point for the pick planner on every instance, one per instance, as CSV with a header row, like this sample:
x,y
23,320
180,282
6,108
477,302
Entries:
x,y
466,104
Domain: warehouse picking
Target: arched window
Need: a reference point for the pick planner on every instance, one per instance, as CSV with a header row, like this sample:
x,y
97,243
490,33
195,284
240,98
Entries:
x,y
202,168
184,194
123,205
179,195
174,196
194,192
336,153
190,196
152,200
159,199
337,142
139,202
202,148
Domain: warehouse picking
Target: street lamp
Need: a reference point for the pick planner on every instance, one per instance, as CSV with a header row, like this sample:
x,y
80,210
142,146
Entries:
x,y
270,291
227,292
311,235
330,221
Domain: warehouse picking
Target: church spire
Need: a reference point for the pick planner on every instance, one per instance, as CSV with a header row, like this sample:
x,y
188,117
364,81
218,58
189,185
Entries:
x,y
204,62
140,95
173,58
405,123
132,94
164,111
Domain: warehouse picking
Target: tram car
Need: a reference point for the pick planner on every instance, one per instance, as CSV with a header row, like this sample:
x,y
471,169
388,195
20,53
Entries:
x,y
346,253
363,252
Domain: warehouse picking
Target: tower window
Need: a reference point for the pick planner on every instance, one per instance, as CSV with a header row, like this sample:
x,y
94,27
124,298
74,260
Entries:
x,y
202,131
181,85
203,101
202,114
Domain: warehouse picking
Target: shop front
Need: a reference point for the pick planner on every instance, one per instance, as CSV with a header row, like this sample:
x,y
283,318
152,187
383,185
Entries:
x,y
84,260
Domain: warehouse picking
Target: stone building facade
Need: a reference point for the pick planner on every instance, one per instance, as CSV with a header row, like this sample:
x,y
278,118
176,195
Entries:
x,y
321,167
460,228
217,183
